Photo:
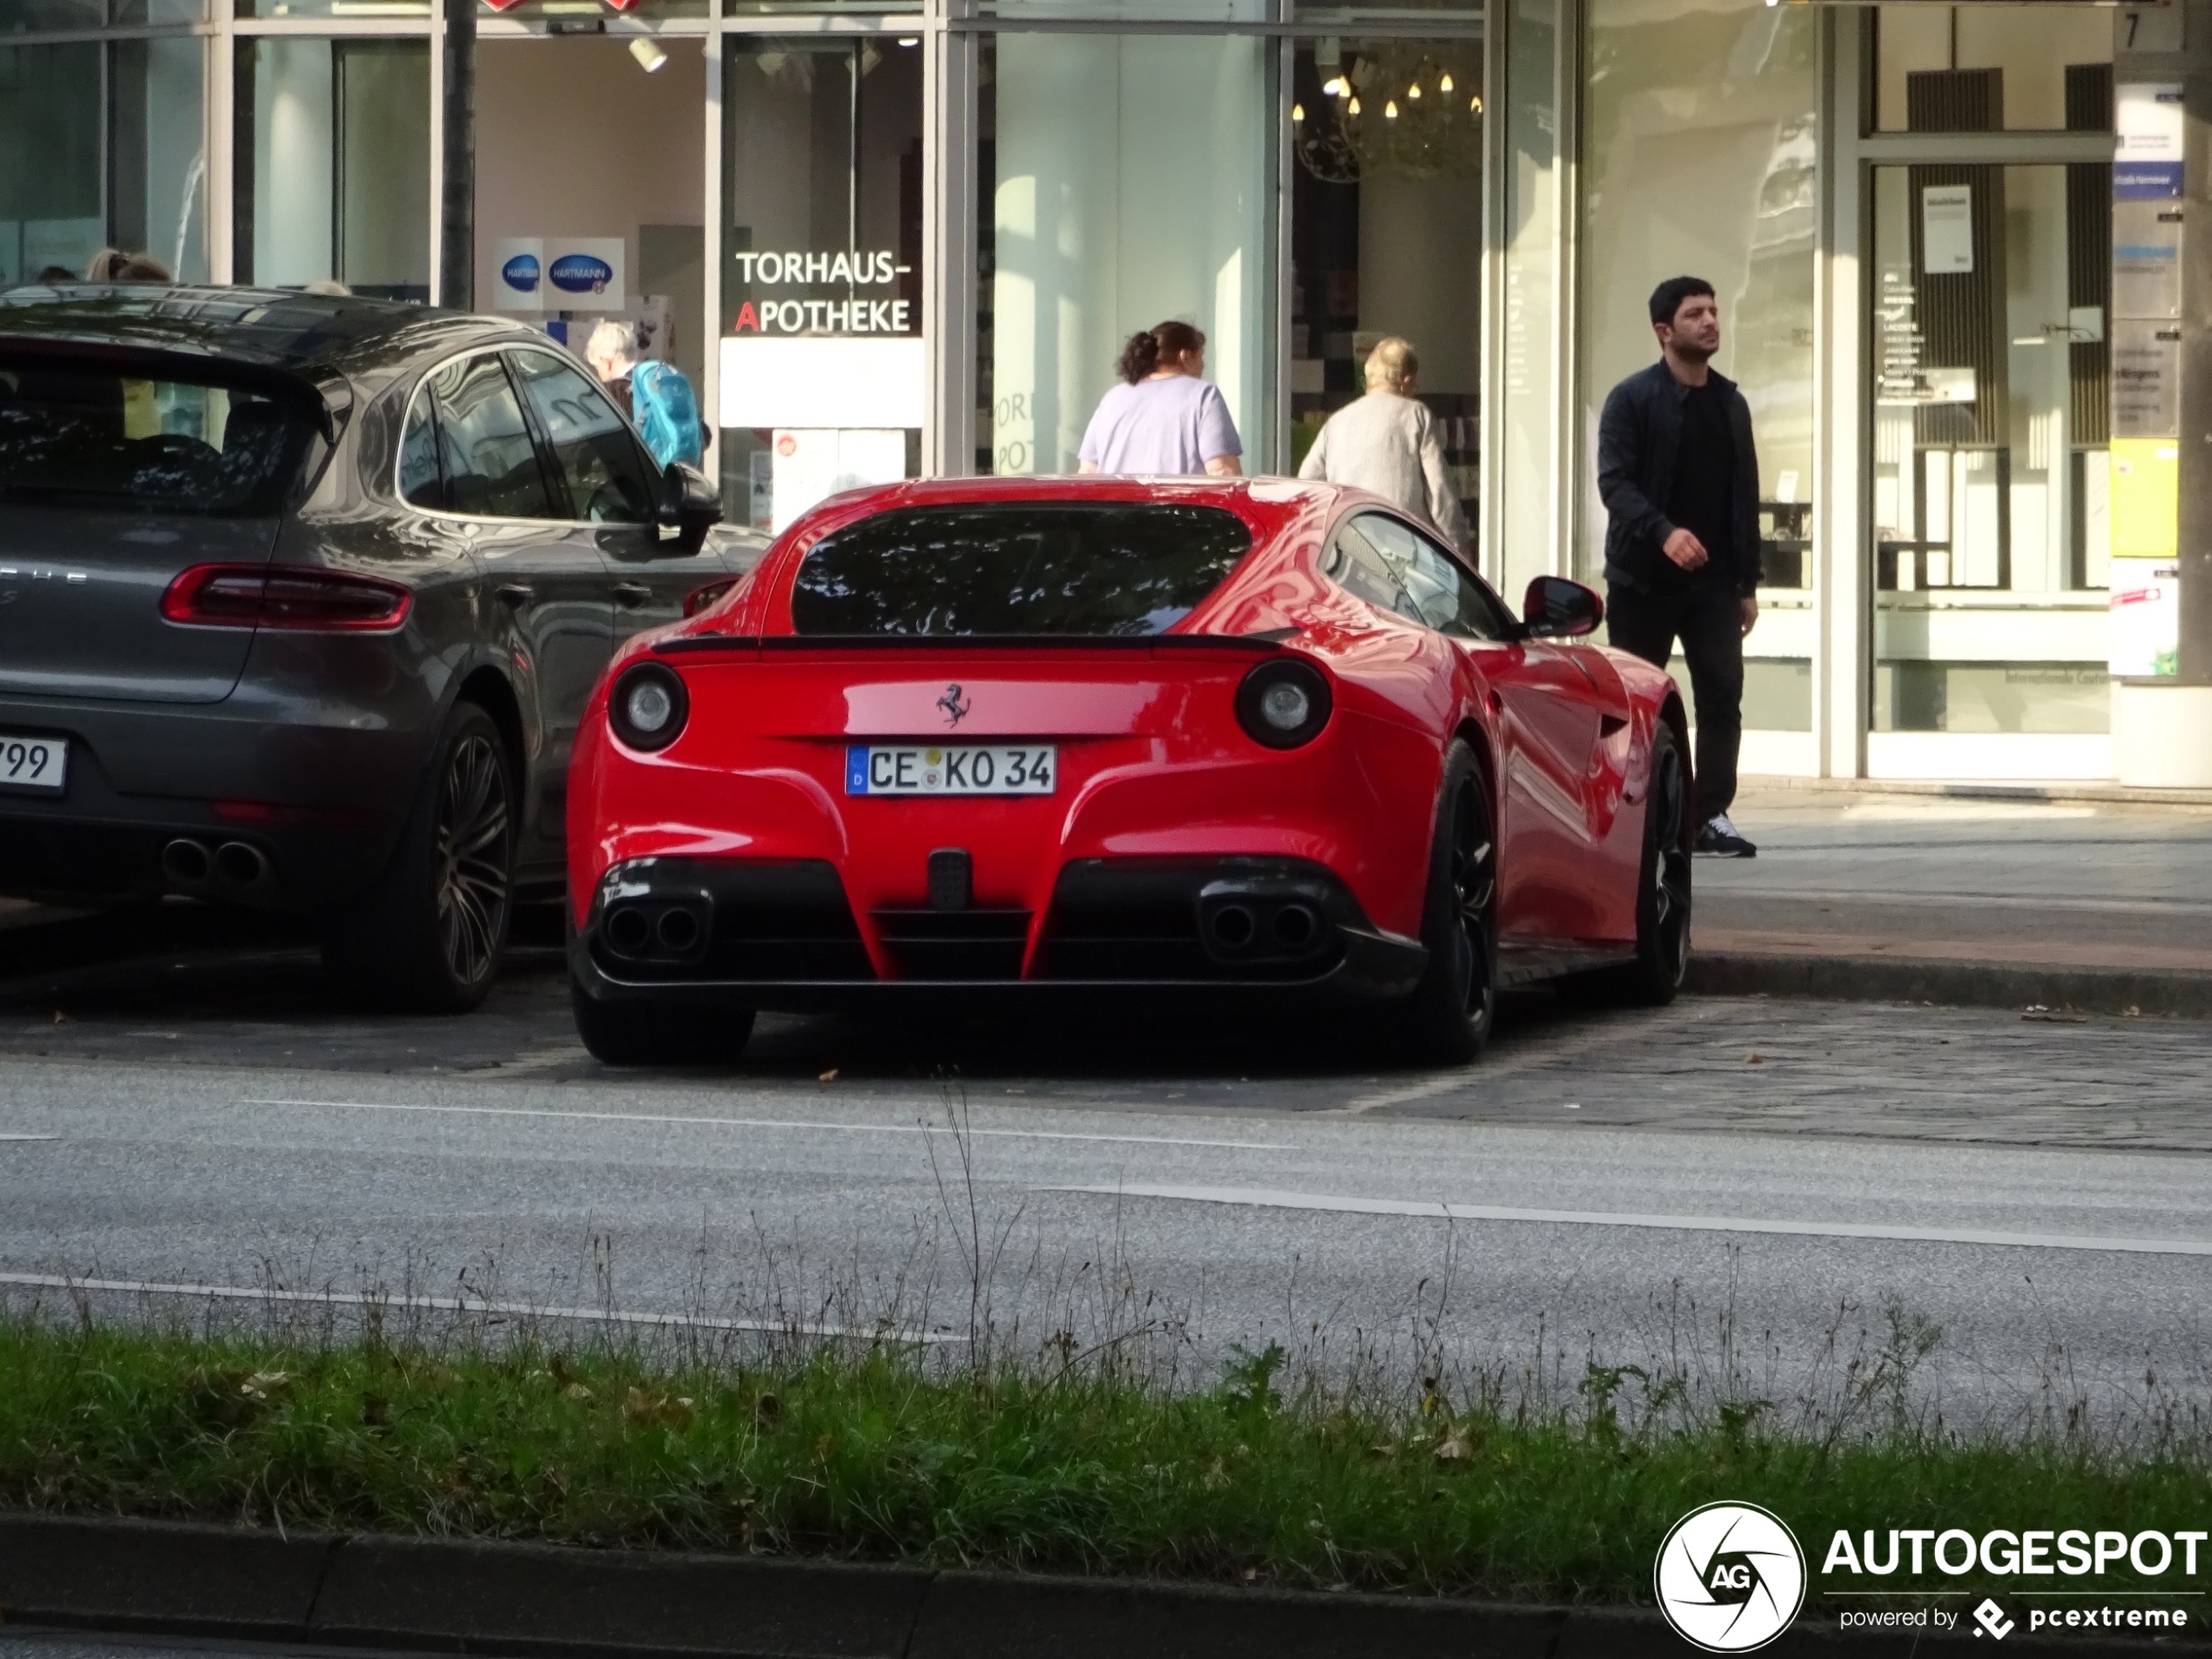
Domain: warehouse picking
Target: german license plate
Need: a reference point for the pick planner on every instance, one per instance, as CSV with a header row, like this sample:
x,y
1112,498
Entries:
x,y
32,763
949,769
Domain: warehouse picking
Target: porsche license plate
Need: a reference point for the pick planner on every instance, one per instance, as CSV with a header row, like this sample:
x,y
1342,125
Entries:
x,y
951,769
33,763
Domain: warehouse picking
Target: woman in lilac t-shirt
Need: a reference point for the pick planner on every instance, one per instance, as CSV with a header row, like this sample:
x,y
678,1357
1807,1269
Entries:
x,y
1164,419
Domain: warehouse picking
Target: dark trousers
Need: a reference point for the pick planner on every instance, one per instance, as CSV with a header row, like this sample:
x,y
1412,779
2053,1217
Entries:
x,y
1708,620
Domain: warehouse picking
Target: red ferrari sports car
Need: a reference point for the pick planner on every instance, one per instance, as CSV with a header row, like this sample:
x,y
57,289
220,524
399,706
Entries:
x,y
1246,738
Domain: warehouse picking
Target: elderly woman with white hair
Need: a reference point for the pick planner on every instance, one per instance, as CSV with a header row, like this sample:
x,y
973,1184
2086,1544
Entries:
x,y
1387,443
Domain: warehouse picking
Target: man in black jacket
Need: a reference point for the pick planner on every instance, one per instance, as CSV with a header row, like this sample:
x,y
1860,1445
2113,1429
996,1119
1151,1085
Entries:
x,y
1681,485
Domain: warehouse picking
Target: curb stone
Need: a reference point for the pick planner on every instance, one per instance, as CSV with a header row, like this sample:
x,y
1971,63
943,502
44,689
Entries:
x,y
433,1595
1989,985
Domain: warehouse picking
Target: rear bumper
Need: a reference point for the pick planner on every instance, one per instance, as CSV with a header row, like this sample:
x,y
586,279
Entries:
x,y
308,814
782,934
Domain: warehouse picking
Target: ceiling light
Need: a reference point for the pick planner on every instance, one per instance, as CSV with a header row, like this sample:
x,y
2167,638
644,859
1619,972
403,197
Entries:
x,y
1389,109
1334,87
1475,104
910,40
1297,111
1353,108
648,53
1414,90
1444,85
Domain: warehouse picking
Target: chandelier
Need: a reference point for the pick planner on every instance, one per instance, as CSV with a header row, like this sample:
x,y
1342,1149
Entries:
x,y
1392,109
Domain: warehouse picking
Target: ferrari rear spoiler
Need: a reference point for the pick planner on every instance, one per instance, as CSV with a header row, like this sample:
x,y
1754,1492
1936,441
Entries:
x,y
686,644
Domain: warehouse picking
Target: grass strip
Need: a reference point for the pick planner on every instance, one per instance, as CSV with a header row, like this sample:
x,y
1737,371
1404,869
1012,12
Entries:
x,y
868,1455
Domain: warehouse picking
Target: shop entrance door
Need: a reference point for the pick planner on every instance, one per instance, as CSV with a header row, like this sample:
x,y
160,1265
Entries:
x,y
1387,235
823,377
1991,466
581,221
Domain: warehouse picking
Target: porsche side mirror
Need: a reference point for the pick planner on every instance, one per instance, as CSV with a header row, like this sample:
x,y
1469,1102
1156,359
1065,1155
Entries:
x,y
1554,608
690,505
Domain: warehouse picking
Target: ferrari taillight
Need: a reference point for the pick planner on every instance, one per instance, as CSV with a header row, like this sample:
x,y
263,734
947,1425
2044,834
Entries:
x,y
1284,703
648,706
289,597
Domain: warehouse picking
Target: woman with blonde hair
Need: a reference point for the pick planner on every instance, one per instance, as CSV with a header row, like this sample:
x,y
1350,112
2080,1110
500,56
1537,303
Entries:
x,y
113,265
1387,443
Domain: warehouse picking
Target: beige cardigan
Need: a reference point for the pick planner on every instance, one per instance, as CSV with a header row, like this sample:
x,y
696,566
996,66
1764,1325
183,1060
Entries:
x,y
1388,444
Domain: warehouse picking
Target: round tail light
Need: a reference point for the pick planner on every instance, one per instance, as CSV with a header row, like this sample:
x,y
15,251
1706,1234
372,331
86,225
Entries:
x,y
648,706
1284,703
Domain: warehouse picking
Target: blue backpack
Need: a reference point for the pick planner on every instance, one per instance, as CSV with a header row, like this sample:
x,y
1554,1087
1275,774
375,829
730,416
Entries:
x,y
666,413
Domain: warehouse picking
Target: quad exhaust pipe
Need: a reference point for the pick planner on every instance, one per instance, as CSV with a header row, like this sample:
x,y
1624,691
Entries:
x,y
226,870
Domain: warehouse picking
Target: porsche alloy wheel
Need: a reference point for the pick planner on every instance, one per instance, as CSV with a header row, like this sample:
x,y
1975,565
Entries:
x,y
475,847
1447,1020
429,933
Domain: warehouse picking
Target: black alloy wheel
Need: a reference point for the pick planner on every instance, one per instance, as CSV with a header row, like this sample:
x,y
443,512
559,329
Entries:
x,y
1663,913
475,840
1447,1019
427,933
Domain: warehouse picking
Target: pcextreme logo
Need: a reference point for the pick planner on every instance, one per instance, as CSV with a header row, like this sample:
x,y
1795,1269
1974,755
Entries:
x,y
1730,1577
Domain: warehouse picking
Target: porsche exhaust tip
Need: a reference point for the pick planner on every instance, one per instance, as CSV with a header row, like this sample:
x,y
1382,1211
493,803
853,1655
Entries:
x,y
1296,927
186,864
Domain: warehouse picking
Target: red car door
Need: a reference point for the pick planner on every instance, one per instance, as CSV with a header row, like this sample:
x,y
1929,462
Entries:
x,y
1557,892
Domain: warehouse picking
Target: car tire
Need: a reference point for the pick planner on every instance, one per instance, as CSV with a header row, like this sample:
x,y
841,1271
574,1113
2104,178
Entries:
x,y
660,1034
1447,1019
428,934
1662,893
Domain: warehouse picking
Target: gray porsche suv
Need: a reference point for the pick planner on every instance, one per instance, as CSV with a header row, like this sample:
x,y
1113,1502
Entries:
x,y
300,601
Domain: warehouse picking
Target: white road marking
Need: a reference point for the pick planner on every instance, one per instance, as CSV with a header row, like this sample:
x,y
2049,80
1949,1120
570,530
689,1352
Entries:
x,y
1271,1198
29,1137
773,1122
452,1304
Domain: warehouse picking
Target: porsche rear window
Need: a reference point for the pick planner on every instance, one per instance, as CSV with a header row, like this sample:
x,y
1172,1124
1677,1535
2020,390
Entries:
x,y
1077,568
89,435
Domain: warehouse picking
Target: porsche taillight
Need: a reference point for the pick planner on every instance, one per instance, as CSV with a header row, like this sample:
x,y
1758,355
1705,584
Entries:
x,y
289,597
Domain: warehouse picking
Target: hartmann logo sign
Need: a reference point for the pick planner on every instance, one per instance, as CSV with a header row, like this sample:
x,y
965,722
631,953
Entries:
x,y
581,274
520,273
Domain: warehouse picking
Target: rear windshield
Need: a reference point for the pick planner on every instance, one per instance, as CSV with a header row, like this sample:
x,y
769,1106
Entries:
x,y
1084,568
89,435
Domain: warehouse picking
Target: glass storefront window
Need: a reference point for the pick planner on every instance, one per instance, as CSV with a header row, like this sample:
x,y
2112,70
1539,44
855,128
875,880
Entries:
x,y
335,9
1130,180
71,187
1699,154
1386,232
1528,383
1983,68
159,164
1990,450
822,368
334,165
52,206
27,17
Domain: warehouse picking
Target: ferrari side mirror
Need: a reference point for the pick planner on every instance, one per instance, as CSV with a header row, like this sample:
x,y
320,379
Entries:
x,y
1554,608
690,505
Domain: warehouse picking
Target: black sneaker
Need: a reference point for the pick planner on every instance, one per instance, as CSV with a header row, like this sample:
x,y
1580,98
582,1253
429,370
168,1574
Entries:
x,y
1718,837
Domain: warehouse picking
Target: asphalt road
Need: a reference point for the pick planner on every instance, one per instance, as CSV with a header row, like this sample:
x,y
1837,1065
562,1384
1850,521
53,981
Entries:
x,y
1739,1189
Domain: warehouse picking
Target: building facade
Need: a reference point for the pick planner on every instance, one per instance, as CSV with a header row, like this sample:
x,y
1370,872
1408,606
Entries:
x,y
887,242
